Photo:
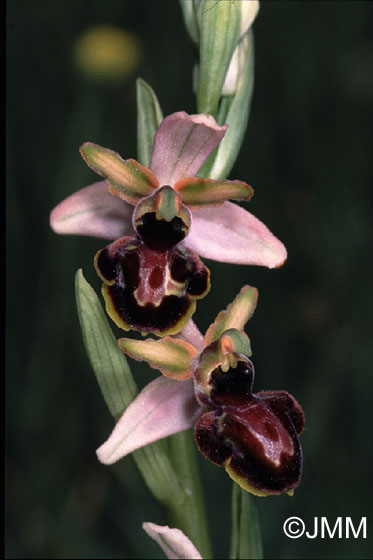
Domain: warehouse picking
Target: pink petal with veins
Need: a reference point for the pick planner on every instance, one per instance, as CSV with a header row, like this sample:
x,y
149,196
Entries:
x,y
181,145
93,211
164,407
230,234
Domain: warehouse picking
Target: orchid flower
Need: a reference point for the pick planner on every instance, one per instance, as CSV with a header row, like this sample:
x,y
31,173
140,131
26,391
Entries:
x,y
161,219
173,542
207,382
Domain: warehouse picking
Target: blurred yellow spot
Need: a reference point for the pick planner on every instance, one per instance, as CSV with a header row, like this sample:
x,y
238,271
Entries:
x,y
107,53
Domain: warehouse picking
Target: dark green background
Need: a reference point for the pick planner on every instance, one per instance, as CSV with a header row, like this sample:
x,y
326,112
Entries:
x,y
307,152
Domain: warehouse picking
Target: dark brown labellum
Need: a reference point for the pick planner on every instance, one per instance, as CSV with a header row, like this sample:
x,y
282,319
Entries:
x,y
254,436
148,290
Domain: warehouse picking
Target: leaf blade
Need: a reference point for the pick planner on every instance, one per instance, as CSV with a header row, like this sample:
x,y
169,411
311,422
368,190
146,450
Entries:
x,y
108,362
149,117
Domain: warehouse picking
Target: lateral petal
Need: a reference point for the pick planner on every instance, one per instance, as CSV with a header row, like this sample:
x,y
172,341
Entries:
x,y
127,179
235,316
163,408
181,145
172,357
196,192
93,211
231,234
173,542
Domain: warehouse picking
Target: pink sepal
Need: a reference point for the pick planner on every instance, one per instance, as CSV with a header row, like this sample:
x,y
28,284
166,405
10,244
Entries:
x,y
164,407
231,234
181,145
93,211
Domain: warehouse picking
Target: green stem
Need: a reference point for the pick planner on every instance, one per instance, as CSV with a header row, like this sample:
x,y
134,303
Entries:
x,y
246,540
190,516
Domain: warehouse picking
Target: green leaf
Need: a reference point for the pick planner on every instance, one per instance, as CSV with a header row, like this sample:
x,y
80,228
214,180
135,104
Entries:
x,y
149,117
107,360
220,27
188,9
234,111
246,540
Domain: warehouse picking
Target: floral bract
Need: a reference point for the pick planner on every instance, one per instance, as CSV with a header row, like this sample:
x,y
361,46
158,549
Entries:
x,y
162,218
254,436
